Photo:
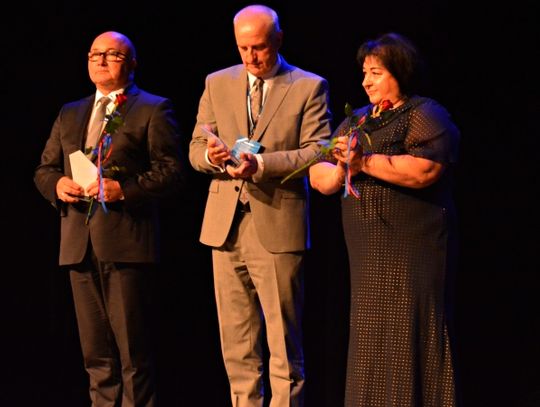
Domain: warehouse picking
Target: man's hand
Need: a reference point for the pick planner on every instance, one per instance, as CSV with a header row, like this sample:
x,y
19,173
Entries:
x,y
112,191
68,191
218,152
248,166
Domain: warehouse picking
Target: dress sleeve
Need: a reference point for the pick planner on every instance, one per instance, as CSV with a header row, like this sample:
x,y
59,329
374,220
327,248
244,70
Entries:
x,y
432,134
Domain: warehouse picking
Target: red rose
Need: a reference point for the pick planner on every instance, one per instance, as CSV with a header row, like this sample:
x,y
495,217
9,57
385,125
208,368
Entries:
x,y
120,99
386,105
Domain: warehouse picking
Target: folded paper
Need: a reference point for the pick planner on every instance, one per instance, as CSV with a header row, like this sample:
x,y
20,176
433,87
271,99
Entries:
x,y
83,171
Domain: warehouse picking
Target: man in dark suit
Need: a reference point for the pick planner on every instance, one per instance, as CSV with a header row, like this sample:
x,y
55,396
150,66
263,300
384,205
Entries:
x,y
257,226
110,244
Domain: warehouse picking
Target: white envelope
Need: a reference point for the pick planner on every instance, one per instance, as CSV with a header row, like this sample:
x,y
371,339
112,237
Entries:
x,y
83,170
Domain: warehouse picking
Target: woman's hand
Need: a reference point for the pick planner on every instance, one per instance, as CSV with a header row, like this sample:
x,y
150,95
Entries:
x,y
352,155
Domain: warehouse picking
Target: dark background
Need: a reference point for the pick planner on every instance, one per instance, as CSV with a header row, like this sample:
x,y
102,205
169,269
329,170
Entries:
x,y
481,59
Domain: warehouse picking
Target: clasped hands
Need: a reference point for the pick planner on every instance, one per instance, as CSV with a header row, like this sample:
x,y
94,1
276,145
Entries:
x,y
353,157
219,154
70,192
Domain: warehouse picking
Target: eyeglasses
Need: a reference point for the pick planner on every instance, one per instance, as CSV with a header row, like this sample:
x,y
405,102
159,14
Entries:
x,y
110,56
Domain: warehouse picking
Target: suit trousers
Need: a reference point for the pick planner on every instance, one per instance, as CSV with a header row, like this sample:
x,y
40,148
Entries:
x,y
255,287
112,305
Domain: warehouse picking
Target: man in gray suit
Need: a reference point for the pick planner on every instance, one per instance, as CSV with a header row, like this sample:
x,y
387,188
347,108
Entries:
x,y
110,244
256,226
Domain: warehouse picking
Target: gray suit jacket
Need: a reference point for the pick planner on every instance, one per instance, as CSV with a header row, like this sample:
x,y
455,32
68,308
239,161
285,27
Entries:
x,y
147,147
294,118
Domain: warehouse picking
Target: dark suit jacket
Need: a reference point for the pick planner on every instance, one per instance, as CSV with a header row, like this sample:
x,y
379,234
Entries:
x,y
295,117
147,146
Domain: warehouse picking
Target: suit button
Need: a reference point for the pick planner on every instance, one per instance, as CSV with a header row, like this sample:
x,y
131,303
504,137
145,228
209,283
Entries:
x,y
237,188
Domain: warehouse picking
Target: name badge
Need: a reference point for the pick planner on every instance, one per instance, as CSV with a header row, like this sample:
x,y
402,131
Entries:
x,y
244,145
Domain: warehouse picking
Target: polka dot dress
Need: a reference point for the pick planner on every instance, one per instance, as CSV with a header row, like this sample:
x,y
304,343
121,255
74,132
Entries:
x,y
401,245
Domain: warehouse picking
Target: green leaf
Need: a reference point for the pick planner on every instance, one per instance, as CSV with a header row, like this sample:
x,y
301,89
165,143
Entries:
x,y
348,110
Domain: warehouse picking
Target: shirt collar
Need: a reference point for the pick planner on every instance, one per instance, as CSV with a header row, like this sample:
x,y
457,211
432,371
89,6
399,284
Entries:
x,y
268,78
111,95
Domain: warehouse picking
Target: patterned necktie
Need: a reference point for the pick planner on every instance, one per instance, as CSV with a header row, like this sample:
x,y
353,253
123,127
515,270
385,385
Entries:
x,y
96,127
256,98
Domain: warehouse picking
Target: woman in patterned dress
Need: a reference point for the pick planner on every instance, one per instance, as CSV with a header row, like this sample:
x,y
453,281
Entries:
x,y
400,230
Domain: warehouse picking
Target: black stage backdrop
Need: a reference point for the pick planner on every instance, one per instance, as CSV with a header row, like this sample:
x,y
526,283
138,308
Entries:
x,y
482,70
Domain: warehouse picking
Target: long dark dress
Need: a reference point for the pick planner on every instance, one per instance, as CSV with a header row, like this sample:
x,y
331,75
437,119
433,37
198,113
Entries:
x,y
402,252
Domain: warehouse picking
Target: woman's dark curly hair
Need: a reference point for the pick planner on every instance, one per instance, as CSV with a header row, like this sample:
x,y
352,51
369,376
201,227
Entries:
x,y
399,55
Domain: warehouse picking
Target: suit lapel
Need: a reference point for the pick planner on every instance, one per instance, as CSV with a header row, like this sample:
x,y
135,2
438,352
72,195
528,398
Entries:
x,y
81,121
85,110
131,92
239,98
280,87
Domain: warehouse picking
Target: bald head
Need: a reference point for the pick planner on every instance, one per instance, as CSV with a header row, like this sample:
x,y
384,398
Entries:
x,y
110,73
257,12
258,38
120,39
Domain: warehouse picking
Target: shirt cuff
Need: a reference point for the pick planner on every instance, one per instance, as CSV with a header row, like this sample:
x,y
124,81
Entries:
x,y
257,176
220,168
